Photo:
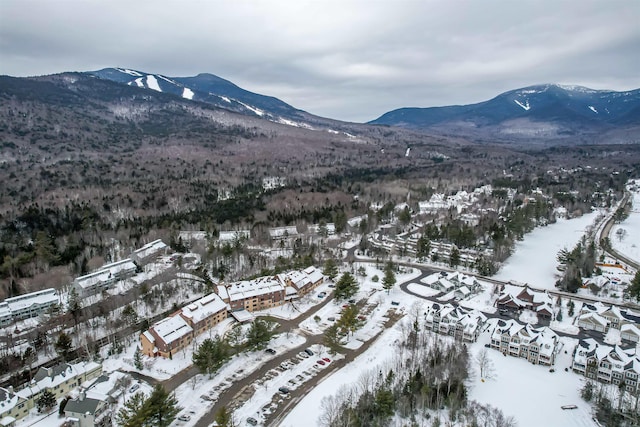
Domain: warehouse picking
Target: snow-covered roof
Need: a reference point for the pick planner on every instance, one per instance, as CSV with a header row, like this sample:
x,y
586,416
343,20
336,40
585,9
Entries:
x,y
149,336
247,289
48,378
314,274
277,232
229,236
149,249
106,273
16,306
203,308
172,328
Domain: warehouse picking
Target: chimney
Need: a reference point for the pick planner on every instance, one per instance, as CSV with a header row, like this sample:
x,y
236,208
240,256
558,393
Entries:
x,y
10,389
83,395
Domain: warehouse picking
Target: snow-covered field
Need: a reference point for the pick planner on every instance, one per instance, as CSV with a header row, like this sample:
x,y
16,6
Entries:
x,y
534,259
625,237
531,393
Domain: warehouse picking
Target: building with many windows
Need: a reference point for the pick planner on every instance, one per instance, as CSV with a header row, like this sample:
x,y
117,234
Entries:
x,y
27,305
538,345
455,321
104,278
607,364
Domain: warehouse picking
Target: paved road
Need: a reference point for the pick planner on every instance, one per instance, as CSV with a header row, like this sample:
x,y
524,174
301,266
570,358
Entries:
x,y
606,230
228,396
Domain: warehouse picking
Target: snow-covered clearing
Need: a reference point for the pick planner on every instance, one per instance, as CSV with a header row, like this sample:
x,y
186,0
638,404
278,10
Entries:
x,y
187,93
625,237
152,83
531,393
534,259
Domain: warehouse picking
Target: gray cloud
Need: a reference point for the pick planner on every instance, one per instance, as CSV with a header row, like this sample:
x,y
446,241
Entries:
x,y
348,59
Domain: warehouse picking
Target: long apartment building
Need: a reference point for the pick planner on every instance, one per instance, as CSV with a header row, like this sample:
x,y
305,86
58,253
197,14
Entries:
x,y
168,336
458,322
537,345
607,364
27,305
105,278
59,380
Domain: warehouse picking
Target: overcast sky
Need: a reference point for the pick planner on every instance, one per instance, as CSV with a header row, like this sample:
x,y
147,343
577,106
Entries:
x,y
347,59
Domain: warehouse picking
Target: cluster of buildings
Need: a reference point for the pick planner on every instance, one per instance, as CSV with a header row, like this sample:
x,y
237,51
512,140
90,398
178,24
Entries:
x,y
538,345
110,274
60,380
460,201
600,317
168,336
608,364
460,284
460,323
27,306
540,302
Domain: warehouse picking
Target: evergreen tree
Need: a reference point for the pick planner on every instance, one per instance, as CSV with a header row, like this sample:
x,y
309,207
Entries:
x,y
330,268
63,346
389,278
259,334
634,287
74,305
137,359
423,247
405,216
571,307
130,414
46,401
454,257
211,354
224,418
346,287
160,409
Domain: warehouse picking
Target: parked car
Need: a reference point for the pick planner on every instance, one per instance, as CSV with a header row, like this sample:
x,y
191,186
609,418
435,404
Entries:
x,y
322,294
309,352
283,390
326,359
320,362
252,421
134,388
303,354
184,417
270,351
395,303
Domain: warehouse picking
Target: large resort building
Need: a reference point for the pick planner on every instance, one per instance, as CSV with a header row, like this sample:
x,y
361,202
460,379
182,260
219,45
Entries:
x,y
27,306
174,333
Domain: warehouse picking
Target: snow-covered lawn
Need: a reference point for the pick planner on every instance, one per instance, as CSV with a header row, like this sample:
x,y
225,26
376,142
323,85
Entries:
x,y
534,259
423,290
625,237
531,393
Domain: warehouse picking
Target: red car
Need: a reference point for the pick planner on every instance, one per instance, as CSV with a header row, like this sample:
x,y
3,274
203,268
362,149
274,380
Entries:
x,y
320,362
326,359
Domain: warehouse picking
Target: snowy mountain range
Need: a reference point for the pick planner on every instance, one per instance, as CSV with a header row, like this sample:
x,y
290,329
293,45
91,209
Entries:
x,y
549,110
213,90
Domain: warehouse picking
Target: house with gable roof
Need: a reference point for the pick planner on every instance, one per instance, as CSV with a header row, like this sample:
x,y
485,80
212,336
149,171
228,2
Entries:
x,y
630,332
537,345
166,337
600,317
539,302
607,364
87,412
455,321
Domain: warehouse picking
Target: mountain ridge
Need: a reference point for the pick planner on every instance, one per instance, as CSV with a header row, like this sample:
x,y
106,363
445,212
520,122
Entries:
x,y
556,110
